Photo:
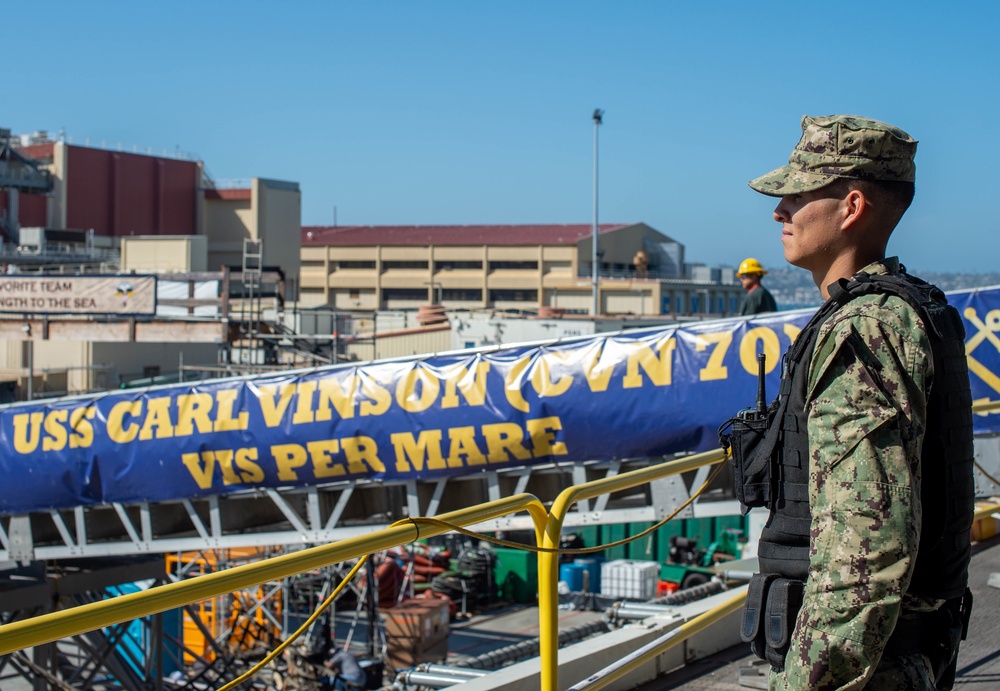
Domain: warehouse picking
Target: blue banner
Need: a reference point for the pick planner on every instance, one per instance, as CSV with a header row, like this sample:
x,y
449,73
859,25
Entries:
x,y
633,394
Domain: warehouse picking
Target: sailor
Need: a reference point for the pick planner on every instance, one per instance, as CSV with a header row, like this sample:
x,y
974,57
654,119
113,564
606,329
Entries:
x,y
864,556
757,299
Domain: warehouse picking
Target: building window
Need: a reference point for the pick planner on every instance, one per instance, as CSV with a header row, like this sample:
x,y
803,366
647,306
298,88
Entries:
x,y
458,266
401,294
396,265
517,266
354,294
461,295
355,265
514,296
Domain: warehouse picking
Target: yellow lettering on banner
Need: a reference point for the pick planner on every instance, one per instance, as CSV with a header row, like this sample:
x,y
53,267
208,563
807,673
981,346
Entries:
x,y
288,457
157,420
224,420
56,439
224,457
657,366
117,430
472,384
27,431
246,461
379,398
503,440
791,331
362,455
541,377
542,433
82,428
714,369
304,402
53,430
339,395
748,349
322,453
417,454
237,466
463,443
597,377
274,410
193,411
512,385
201,469
406,390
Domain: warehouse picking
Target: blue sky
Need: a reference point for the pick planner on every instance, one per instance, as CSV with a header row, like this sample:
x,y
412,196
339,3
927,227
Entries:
x,y
473,112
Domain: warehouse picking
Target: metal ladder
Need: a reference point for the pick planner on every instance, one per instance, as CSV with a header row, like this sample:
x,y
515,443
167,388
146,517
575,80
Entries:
x,y
253,251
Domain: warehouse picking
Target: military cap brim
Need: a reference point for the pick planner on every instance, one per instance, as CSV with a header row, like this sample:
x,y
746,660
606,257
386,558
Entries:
x,y
788,180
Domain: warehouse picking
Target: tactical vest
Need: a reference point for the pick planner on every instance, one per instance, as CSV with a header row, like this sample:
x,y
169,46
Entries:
x,y
947,488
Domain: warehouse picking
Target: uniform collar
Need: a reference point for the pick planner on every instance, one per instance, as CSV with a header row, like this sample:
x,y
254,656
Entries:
x,y
884,267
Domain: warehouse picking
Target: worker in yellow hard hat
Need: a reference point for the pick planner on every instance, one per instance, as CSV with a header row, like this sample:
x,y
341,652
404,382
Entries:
x,y
757,299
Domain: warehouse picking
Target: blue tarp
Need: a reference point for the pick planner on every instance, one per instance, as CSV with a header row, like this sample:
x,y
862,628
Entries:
x,y
639,393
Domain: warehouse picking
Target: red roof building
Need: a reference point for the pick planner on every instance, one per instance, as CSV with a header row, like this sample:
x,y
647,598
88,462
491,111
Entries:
x,y
532,267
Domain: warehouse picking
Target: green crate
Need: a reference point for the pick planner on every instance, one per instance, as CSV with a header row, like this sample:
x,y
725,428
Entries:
x,y
613,533
591,535
645,548
516,574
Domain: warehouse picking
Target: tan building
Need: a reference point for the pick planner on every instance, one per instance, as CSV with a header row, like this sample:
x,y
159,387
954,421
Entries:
x,y
266,210
518,267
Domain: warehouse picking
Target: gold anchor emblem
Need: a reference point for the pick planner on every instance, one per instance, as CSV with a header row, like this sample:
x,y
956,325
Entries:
x,y
986,330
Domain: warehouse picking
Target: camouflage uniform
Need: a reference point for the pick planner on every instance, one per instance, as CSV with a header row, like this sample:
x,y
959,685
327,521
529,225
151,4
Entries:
x,y
841,146
861,414
864,492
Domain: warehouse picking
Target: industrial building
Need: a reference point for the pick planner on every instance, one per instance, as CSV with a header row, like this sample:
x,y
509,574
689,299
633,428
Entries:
x,y
67,208
543,269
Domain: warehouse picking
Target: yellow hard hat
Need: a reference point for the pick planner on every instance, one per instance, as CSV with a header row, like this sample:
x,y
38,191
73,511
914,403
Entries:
x,y
750,266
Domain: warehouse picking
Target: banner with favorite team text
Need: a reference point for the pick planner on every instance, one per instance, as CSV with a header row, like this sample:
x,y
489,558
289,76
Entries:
x,y
639,393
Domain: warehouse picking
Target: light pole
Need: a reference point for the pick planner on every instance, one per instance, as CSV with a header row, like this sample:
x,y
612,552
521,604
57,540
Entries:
x,y
598,115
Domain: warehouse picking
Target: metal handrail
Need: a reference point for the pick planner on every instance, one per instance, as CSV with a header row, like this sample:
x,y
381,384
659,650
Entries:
x,y
660,645
548,528
70,622
548,561
986,511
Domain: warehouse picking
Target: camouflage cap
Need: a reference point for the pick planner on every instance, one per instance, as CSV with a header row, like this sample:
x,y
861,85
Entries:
x,y
841,146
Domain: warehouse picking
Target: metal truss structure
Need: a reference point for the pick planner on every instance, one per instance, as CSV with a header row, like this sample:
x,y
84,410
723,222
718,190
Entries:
x,y
301,517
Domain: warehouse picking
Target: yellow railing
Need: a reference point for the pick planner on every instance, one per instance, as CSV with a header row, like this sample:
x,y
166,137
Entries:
x,y
548,528
70,622
660,645
548,561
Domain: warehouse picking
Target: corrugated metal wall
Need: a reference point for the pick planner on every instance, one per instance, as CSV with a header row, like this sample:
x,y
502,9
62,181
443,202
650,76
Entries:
x,y
120,194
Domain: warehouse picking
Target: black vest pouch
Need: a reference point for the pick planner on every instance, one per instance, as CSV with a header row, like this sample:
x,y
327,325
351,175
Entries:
x,y
752,628
783,602
752,437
